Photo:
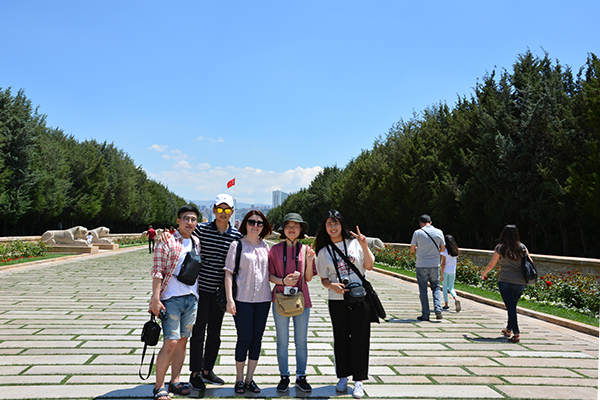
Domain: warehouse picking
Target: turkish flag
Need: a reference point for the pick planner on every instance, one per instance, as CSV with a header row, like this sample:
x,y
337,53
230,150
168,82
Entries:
x,y
230,183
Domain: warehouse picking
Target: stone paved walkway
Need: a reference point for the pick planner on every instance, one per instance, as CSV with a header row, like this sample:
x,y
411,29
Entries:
x,y
71,329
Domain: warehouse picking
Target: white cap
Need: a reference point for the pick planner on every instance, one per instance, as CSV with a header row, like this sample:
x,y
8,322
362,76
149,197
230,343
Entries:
x,y
224,198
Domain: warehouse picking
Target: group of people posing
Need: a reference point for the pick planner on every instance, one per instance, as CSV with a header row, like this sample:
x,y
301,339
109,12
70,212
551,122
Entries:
x,y
238,268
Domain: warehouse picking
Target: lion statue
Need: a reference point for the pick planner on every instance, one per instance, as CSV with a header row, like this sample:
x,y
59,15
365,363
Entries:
x,y
74,236
375,243
98,233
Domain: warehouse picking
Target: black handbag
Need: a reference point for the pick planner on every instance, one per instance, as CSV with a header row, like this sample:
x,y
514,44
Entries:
x,y
528,269
188,274
238,255
377,310
221,297
150,336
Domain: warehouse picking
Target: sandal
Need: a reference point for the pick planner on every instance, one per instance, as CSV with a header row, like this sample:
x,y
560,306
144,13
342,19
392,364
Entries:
x,y
253,387
161,392
507,332
239,387
515,339
179,388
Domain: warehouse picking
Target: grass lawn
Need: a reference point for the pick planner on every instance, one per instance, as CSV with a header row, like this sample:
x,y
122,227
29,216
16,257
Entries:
x,y
531,305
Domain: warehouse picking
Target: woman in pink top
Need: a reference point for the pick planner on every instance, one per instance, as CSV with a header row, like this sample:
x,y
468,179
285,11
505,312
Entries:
x,y
250,308
289,268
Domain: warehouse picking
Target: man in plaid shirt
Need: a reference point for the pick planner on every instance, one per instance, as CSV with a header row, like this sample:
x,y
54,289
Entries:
x,y
176,300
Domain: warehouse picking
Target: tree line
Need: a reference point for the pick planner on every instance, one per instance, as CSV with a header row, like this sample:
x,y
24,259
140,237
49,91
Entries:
x,y
48,179
523,148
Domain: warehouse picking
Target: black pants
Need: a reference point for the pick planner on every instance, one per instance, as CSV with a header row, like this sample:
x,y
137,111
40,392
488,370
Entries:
x,y
204,355
150,245
351,339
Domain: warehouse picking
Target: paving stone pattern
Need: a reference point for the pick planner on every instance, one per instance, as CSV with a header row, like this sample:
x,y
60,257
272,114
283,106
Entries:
x,y
71,329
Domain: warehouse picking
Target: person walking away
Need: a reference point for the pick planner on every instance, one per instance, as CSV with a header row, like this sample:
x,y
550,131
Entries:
x,y
289,269
151,235
351,321
511,283
177,300
427,243
250,306
448,271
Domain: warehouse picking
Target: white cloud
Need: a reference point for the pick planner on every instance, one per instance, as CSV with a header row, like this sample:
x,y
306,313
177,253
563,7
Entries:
x,y
252,185
175,155
159,148
219,140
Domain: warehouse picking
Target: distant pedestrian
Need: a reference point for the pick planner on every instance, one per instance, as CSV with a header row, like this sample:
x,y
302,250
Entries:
x,y
511,283
448,271
151,235
427,243
350,316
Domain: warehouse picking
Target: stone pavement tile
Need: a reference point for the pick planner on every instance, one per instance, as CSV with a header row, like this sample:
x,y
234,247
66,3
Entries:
x,y
527,380
451,353
87,331
592,373
28,379
405,379
131,379
76,391
11,369
89,352
44,337
546,354
411,346
23,344
548,362
112,343
79,369
434,361
261,369
10,351
481,380
381,371
444,391
549,392
487,345
430,370
119,359
497,371
8,332
43,359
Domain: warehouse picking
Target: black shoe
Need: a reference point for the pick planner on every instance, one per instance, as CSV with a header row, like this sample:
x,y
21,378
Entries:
x,y
445,308
284,383
422,318
302,384
438,315
196,382
211,377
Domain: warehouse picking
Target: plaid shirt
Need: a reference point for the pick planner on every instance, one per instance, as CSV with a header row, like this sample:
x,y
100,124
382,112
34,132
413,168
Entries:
x,y
166,256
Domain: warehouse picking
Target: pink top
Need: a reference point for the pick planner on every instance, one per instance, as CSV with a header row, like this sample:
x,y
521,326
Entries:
x,y
276,268
253,276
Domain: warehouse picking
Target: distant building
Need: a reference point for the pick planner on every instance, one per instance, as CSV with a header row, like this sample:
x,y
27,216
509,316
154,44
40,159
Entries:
x,y
279,197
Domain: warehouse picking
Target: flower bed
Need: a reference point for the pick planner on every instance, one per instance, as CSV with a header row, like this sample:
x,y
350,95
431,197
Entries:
x,y
17,249
570,290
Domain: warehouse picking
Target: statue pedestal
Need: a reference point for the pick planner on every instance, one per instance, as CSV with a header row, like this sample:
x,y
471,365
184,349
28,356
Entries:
x,y
65,248
107,246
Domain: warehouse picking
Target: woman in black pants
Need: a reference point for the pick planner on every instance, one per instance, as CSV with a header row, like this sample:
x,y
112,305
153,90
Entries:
x,y
351,320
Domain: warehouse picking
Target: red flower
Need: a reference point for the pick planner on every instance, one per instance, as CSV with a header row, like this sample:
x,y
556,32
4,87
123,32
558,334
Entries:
x,y
548,283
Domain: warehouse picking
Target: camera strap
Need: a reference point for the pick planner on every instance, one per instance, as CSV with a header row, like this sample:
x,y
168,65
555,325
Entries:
x,y
296,258
336,250
349,264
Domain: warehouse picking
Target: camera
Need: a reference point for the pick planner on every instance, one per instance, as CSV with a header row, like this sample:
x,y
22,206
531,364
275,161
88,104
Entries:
x,y
162,315
290,290
344,279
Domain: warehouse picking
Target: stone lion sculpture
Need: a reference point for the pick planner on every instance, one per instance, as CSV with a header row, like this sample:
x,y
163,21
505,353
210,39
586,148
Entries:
x,y
74,236
375,242
98,233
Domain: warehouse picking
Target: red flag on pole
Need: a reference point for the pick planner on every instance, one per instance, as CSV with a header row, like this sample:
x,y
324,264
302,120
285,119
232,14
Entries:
x,y
230,183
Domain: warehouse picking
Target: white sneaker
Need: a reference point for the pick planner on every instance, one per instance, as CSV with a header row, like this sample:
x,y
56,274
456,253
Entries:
x,y
342,385
358,392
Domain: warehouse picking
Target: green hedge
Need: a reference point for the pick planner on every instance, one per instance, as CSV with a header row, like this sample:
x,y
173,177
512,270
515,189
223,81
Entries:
x,y
20,249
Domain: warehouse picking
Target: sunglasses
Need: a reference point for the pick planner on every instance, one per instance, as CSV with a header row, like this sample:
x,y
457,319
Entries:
x,y
224,210
253,222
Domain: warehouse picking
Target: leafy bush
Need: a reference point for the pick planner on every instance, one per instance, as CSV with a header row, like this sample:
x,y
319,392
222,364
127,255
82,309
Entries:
x,y
20,249
570,290
129,240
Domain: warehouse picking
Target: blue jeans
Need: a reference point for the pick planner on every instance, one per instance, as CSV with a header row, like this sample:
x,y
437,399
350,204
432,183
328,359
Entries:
x,y
448,285
181,316
511,293
282,326
431,275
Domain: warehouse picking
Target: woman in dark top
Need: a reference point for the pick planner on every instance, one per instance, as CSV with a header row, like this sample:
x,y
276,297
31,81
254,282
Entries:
x,y
511,283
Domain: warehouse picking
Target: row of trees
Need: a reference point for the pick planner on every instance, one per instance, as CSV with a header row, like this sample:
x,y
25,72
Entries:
x,y
524,148
48,178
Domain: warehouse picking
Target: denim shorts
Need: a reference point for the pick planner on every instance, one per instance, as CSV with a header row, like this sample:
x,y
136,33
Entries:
x,y
181,317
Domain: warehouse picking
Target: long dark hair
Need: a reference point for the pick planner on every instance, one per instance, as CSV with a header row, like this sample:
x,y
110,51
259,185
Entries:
x,y
451,246
322,239
266,230
510,243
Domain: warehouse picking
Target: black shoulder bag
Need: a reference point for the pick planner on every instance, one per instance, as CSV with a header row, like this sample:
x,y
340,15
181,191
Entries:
x,y
221,296
238,255
528,269
377,310
188,274
150,336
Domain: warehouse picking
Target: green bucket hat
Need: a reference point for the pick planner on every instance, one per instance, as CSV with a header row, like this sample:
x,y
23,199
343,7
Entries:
x,y
294,217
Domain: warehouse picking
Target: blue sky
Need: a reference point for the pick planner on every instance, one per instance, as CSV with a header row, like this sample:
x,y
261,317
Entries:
x,y
268,92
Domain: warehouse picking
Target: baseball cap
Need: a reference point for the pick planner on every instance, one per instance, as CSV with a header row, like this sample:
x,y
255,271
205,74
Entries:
x,y
224,198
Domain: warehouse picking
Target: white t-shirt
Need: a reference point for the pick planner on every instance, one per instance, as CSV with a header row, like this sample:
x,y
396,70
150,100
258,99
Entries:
x,y
450,267
326,266
174,287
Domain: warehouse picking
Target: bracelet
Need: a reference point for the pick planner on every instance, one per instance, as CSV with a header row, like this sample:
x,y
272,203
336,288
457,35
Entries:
x,y
283,281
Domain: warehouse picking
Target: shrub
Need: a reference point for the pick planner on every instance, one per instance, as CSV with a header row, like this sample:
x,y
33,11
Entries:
x,y
20,249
